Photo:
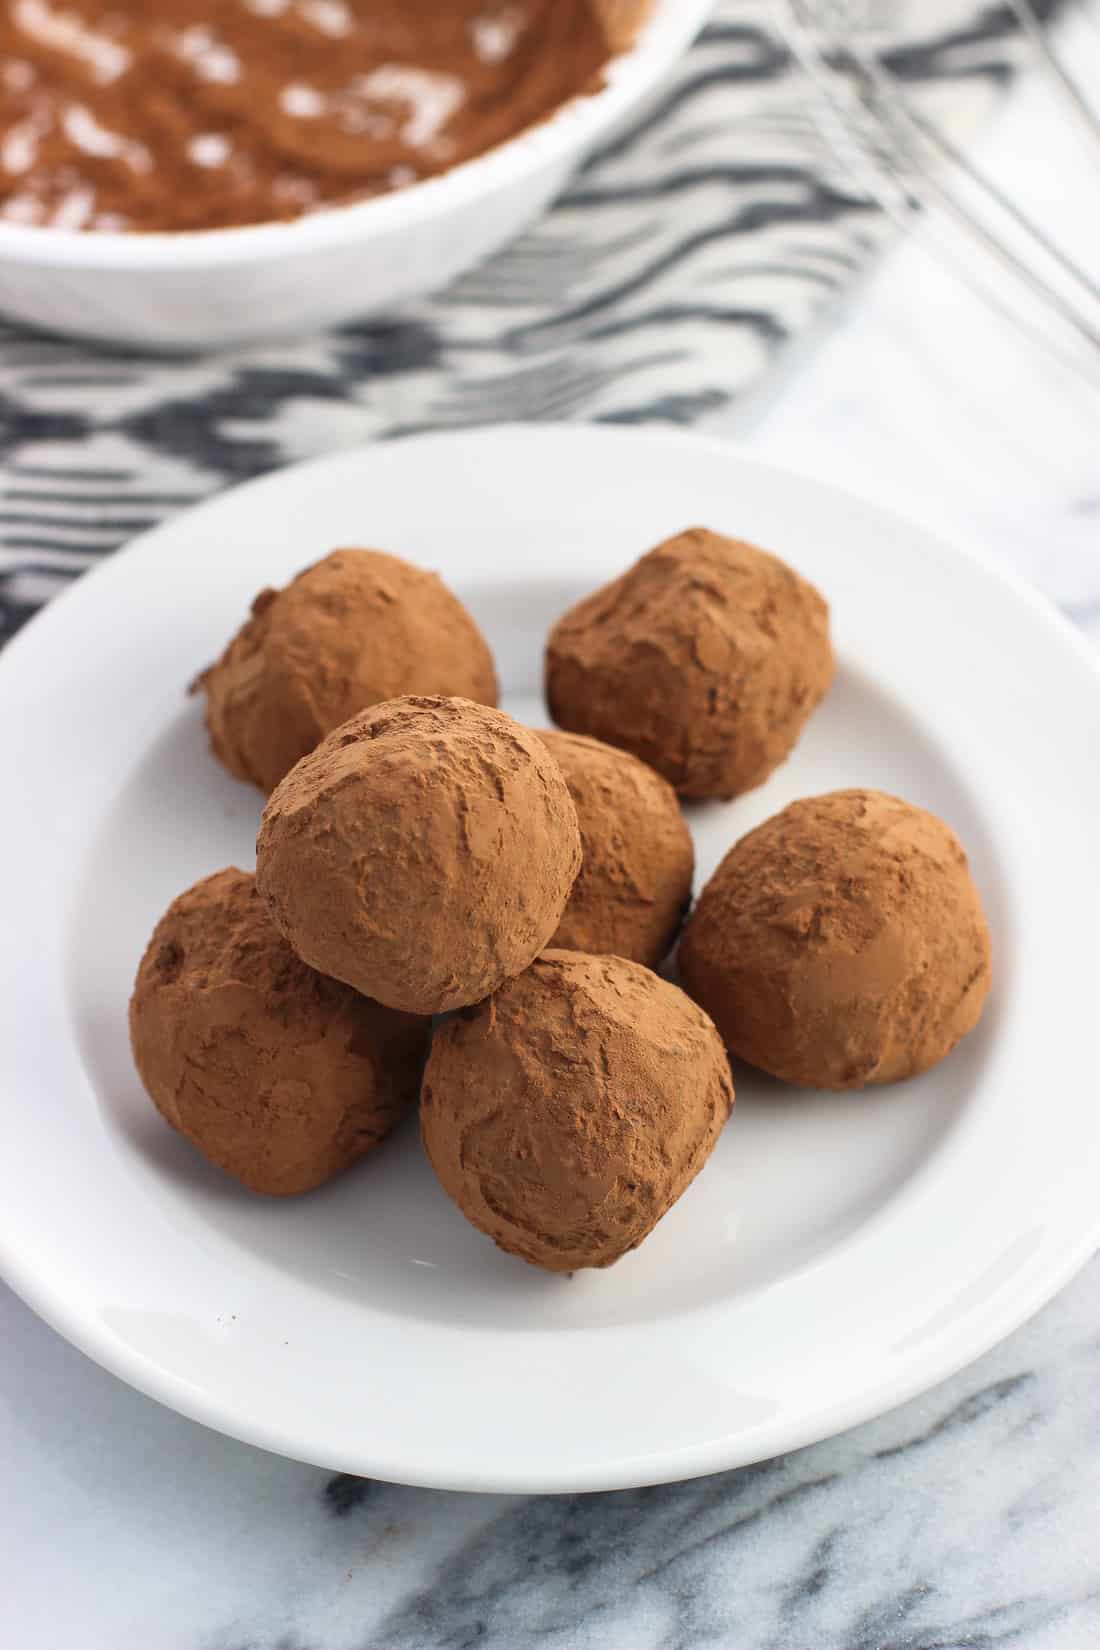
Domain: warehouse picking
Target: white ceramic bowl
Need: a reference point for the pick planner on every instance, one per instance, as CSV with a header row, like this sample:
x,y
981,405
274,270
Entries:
x,y
228,286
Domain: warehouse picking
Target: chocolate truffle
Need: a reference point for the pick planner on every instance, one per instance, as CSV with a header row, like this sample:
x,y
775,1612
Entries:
x,y
705,659
279,1076
638,860
423,853
353,630
567,1114
841,943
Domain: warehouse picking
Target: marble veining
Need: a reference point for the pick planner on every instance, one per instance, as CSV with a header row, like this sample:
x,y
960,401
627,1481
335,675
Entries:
x,y
965,1520
841,1547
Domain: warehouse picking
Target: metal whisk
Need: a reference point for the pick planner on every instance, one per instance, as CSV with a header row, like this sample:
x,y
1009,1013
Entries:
x,y
905,163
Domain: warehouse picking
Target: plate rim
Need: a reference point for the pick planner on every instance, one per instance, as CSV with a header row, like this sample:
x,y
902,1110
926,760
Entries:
x,y
162,1385
962,546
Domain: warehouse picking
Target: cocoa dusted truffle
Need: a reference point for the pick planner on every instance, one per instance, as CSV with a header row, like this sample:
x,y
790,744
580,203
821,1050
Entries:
x,y
279,1076
354,629
841,943
567,1114
705,659
423,853
638,859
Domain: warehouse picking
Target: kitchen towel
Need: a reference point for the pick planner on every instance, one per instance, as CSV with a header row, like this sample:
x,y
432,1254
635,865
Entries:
x,y
660,288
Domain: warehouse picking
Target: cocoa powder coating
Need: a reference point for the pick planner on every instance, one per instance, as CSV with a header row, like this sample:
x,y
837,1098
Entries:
x,y
622,20
841,943
279,1076
170,116
705,660
567,1113
356,628
423,853
638,860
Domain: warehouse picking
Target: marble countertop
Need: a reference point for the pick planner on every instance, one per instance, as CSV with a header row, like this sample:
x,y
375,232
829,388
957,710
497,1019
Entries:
x,y
962,1521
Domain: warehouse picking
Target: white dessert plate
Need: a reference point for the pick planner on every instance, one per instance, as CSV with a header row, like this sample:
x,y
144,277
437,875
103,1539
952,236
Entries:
x,y
837,1255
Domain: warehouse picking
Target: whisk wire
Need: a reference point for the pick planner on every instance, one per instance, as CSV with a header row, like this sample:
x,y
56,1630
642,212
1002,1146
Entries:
x,y
905,162
1076,99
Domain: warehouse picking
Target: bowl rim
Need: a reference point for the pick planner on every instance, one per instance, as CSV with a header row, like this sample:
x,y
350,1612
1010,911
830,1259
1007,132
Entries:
x,y
667,31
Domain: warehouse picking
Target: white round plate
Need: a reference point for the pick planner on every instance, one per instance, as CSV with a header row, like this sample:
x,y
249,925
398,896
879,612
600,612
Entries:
x,y
838,1253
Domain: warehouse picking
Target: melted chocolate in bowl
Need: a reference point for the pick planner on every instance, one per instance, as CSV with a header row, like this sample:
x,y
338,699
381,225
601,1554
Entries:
x,y
169,115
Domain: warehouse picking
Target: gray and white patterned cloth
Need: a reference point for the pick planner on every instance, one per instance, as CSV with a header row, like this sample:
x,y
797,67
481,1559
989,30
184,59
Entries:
x,y
660,288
